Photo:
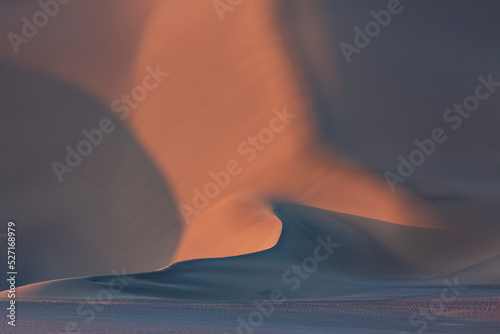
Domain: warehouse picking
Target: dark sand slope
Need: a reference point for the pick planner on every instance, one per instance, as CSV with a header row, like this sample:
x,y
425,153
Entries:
x,y
76,227
338,256
397,90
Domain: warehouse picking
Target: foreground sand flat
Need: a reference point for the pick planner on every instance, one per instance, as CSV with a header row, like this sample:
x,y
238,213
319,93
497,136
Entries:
x,y
465,315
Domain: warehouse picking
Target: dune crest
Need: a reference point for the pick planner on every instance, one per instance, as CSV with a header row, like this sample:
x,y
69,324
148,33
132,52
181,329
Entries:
x,y
319,255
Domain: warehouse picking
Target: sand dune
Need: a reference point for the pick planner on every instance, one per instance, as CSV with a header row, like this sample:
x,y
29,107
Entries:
x,y
115,186
206,66
257,108
319,255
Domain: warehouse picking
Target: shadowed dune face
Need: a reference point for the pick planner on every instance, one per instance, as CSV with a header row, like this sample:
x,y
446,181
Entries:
x,y
91,44
398,89
112,211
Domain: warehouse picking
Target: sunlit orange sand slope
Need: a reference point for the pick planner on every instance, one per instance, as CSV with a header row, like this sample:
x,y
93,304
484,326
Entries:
x,y
233,103
231,96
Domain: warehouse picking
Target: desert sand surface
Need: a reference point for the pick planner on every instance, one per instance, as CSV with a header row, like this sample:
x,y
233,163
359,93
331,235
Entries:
x,y
380,317
256,149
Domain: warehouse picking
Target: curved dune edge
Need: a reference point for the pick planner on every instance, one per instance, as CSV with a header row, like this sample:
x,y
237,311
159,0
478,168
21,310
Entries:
x,y
320,255
256,71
